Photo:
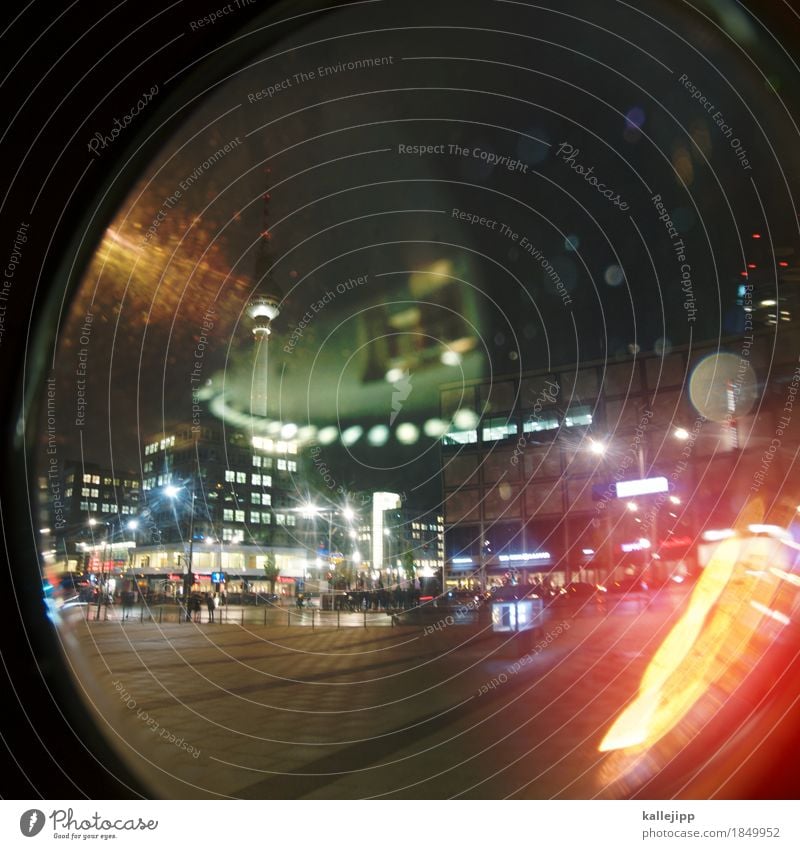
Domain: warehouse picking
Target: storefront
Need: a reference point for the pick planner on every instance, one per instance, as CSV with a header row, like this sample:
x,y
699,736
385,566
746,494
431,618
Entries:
x,y
162,569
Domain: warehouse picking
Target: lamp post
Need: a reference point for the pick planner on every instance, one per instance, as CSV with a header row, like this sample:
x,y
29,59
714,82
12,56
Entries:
x,y
600,448
311,511
172,492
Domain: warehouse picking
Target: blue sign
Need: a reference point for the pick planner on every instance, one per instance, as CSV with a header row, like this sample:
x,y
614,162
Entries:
x,y
217,577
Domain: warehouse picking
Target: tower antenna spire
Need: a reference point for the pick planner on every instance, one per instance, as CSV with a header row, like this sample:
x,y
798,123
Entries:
x,y
262,309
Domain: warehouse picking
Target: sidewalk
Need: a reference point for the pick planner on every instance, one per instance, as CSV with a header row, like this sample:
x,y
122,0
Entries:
x,y
223,710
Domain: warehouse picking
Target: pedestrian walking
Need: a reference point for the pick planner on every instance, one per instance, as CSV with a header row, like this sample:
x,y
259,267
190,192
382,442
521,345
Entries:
x,y
210,605
127,604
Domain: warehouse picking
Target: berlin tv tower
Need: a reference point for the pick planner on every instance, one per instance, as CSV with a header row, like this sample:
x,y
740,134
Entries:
x,y
262,309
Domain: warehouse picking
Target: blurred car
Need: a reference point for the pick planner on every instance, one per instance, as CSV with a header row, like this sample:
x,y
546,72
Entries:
x,y
624,586
575,591
512,592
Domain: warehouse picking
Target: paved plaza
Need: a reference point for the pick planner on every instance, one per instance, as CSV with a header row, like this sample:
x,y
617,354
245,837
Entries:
x,y
249,711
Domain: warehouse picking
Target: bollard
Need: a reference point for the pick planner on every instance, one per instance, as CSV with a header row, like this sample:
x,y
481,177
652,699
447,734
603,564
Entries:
x,y
365,618
338,618
160,613
265,615
288,618
312,618
242,615
141,613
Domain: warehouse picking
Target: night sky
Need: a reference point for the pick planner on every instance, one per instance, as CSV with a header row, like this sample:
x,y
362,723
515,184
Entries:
x,y
524,234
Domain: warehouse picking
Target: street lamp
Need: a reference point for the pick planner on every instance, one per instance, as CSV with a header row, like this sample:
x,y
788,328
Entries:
x,y
312,511
597,447
172,492
600,448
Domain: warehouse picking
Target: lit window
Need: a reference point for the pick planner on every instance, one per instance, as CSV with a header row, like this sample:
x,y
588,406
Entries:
x,y
230,475
460,437
87,478
266,498
266,462
241,477
266,518
239,515
535,424
292,448
579,415
256,498
291,519
280,518
84,505
257,462
96,479
93,506
227,515
255,480
292,465
266,480
95,493
281,465
494,429
85,491
255,518
106,481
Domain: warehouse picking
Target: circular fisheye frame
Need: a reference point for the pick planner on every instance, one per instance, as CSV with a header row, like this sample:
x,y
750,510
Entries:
x,y
409,407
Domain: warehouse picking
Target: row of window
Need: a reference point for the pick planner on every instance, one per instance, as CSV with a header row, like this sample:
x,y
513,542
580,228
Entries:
x,y
497,429
167,442
279,446
260,518
91,507
241,477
